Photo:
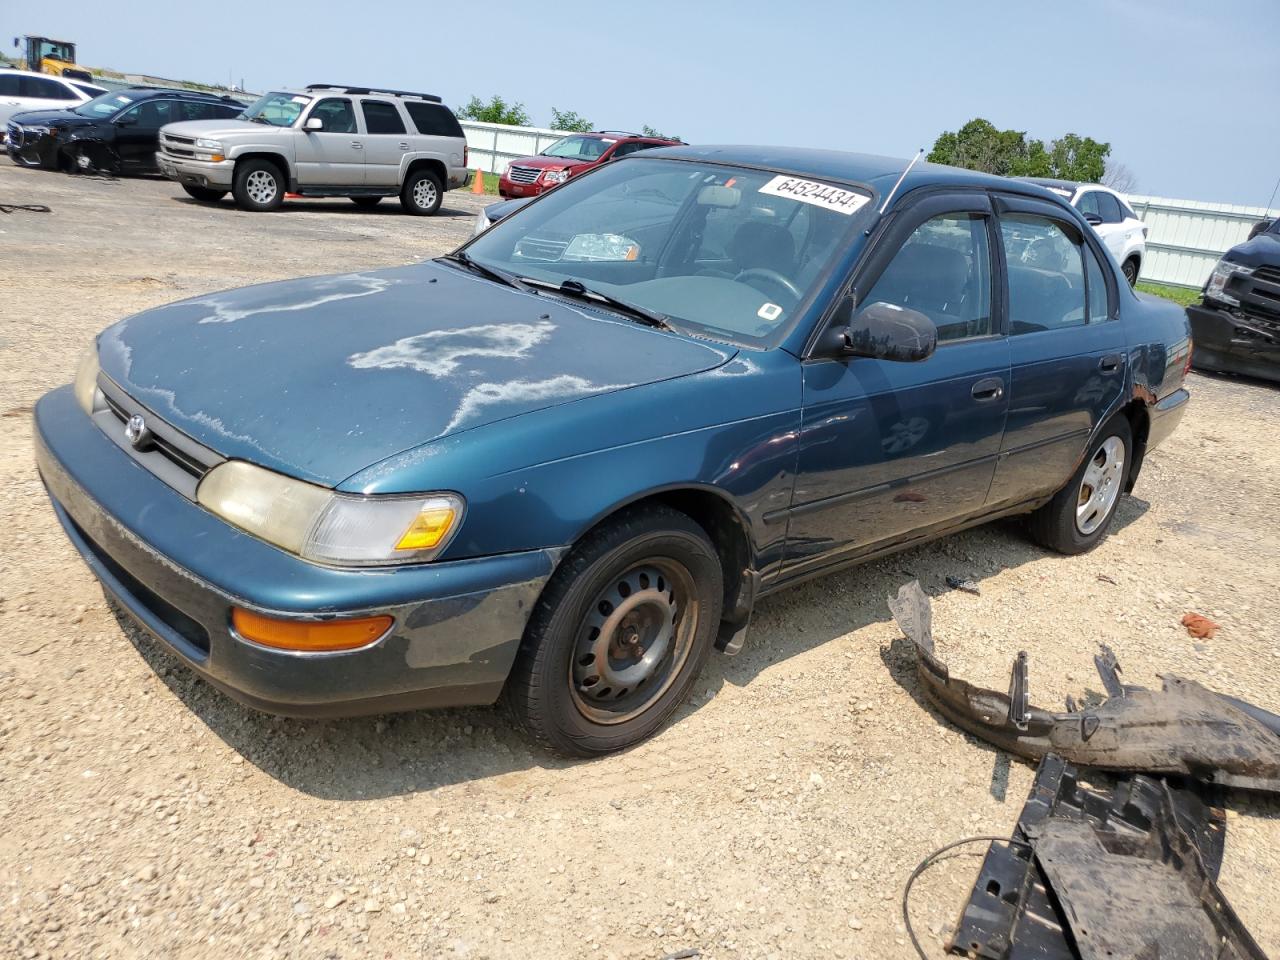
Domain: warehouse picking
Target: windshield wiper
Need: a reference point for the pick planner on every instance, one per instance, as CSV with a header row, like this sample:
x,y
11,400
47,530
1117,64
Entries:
x,y
493,273
580,291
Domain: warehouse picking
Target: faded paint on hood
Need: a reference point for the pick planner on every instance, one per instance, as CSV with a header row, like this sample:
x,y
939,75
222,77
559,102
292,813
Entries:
x,y
322,377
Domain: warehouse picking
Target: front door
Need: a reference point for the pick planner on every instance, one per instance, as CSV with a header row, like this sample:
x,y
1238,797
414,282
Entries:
x,y
891,451
138,132
1067,347
332,156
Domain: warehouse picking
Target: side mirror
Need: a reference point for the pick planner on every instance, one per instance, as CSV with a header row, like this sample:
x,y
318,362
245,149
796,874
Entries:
x,y
1092,219
1259,227
884,331
313,123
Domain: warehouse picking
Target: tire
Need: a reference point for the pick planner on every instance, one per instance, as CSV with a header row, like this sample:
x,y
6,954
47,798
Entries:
x,y
259,185
649,573
366,203
1130,270
203,194
1065,524
422,194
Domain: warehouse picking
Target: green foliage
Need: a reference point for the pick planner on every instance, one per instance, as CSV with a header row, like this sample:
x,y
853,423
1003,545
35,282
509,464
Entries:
x,y
978,145
495,110
569,120
649,131
1183,296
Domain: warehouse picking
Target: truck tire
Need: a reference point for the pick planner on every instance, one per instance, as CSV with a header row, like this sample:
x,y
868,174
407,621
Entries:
x,y
258,186
203,194
422,193
619,635
1080,514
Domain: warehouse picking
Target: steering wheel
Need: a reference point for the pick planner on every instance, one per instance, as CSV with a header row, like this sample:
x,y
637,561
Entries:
x,y
773,276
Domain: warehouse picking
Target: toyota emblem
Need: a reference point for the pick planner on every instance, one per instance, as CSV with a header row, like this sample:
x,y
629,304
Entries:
x,y
136,432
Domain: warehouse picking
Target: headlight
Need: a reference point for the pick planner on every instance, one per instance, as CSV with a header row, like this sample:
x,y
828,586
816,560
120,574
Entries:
x,y
1216,289
555,176
86,382
209,150
481,224
320,525
214,145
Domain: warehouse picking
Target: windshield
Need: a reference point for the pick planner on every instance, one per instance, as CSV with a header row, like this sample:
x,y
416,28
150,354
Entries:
x,y
579,148
277,109
106,105
724,252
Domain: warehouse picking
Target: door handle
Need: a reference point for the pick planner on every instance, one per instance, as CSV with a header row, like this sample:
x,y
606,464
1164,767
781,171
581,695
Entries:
x,y
991,388
1110,363
357,145
404,145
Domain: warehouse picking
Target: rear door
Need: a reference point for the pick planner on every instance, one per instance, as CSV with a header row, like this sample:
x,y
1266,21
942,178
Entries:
x,y
332,156
386,141
1067,347
892,451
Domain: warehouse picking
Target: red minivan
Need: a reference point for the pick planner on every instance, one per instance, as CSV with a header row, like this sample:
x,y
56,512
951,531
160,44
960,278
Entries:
x,y
529,176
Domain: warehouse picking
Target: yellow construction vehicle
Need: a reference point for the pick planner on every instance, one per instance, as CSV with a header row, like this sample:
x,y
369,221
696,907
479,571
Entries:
x,y
58,57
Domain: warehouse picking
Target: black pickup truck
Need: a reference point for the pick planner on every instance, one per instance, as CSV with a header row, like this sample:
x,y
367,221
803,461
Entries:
x,y
1236,324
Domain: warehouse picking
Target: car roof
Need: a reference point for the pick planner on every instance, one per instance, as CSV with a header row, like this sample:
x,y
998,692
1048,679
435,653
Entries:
x,y
36,73
878,172
148,93
619,135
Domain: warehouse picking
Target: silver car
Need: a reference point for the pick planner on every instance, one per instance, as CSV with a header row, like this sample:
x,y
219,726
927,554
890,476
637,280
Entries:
x,y
324,141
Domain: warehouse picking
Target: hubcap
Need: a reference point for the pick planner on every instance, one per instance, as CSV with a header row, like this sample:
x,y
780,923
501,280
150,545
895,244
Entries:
x,y
424,193
260,186
1100,486
634,641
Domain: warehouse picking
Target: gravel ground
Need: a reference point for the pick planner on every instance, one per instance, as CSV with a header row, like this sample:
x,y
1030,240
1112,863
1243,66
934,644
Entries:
x,y
778,815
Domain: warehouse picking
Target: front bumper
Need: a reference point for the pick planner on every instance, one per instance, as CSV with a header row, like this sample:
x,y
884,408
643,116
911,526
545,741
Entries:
x,y
510,190
30,150
1222,345
197,173
178,570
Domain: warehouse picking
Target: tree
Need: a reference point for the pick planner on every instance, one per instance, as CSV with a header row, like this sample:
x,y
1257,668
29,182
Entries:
x,y
979,145
569,120
1119,177
649,131
495,110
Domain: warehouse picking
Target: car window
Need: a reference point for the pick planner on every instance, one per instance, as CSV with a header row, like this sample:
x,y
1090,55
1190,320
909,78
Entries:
x,y
1099,298
337,115
280,109
944,272
1127,211
433,119
1109,208
381,117
44,89
626,148
1046,275
1088,203
9,85
586,149
152,114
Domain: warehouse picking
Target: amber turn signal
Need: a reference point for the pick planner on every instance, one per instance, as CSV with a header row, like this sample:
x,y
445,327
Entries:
x,y
309,635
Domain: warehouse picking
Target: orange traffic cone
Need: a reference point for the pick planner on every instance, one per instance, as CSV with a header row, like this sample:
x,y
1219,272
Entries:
x,y
477,183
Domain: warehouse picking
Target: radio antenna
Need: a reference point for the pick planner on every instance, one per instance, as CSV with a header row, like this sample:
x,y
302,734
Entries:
x,y
914,160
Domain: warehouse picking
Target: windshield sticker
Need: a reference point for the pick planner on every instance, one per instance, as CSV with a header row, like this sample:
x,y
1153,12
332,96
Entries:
x,y
823,195
769,311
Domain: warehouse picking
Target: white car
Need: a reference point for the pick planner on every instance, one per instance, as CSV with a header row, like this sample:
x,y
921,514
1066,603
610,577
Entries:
x,y
22,90
1111,216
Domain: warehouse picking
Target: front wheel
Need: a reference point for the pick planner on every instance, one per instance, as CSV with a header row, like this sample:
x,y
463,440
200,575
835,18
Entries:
x,y
422,193
620,634
203,194
1080,514
259,185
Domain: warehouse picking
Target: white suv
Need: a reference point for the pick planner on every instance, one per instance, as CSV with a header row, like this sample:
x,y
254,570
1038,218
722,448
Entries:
x,y
1112,218
324,141
22,90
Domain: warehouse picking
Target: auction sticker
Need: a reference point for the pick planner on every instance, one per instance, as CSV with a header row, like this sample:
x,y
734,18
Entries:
x,y
819,194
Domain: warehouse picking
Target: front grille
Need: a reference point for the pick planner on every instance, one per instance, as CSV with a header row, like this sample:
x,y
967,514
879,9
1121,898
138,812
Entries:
x,y
169,454
1268,274
523,174
15,135
177,146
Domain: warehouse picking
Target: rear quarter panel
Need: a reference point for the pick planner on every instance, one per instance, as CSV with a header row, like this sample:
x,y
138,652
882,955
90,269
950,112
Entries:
x,y
1159,337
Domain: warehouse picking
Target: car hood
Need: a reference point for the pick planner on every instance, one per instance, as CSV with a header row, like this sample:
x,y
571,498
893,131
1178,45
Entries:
x,y
322,377
226,127
552,163
63,118
1262,251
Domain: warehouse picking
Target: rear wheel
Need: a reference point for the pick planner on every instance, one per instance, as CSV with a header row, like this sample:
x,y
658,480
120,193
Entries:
x,y
1080,513
619,635
1130,270
366,203
203,194
422,193
259,185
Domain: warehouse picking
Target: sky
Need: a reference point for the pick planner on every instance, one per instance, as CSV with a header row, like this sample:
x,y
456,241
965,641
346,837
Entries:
x,y
1184,91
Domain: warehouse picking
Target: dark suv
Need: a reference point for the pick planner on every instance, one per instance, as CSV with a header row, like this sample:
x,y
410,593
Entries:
x,y
571,155
116,132
1236,324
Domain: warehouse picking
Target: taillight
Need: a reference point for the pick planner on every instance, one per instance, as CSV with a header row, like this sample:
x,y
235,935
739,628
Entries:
x,y
465,154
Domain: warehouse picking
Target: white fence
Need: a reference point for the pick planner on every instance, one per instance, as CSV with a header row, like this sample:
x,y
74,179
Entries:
x,y
493,145
1186,237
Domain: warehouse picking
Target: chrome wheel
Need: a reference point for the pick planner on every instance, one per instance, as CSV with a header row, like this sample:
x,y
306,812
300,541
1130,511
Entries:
x,y
634,641
1100,486
424,193
261,187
